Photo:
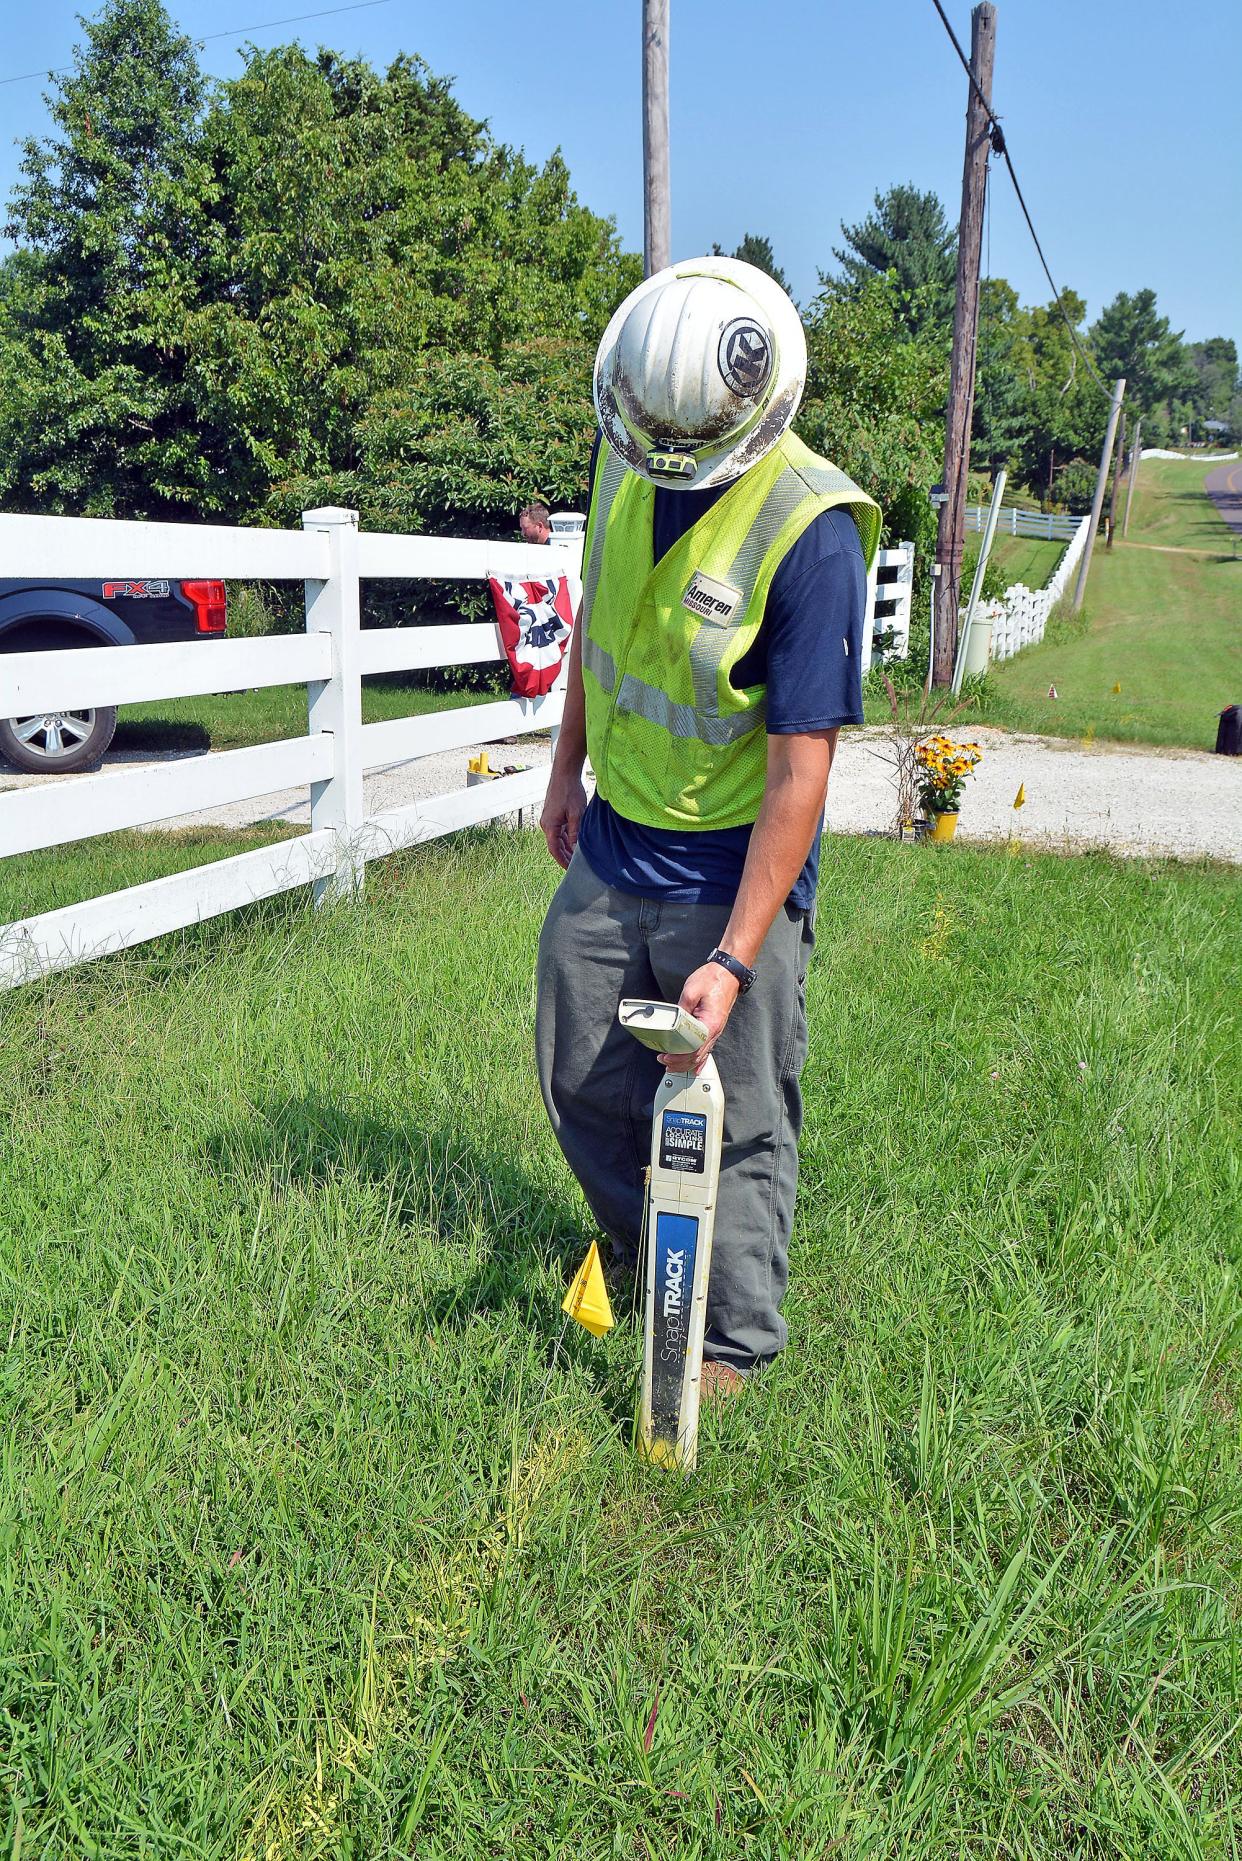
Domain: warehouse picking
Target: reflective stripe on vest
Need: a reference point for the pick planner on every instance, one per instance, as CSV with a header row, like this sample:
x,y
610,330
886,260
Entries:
x,y
610,470
680,720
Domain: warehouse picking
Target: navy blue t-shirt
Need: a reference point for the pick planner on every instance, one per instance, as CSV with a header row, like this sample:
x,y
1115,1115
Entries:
x,y
807,653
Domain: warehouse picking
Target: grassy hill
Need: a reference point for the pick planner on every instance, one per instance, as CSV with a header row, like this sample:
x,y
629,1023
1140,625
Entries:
x,y
1166,627
1171,508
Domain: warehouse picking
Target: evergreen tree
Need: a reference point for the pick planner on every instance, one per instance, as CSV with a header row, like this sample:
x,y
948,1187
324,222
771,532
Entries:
x,y
108,216
756,250
907,234
1130,338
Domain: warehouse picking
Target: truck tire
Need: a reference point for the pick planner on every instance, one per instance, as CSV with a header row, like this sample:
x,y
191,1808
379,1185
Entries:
x,y
57,742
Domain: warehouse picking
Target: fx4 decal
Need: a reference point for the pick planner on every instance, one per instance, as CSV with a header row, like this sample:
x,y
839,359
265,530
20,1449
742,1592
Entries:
x,y
135,591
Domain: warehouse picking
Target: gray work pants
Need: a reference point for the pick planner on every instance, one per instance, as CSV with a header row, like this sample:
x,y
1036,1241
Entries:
x,y
598,945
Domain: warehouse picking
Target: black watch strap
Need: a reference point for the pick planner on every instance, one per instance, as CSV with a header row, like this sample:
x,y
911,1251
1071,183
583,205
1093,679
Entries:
x,y
744,977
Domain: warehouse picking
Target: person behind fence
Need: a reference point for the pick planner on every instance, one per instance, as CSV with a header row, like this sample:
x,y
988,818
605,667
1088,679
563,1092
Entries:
x,y
535,524
717,656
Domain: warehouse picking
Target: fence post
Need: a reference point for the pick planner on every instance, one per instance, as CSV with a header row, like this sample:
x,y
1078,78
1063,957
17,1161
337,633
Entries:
x,y
334,705
873,577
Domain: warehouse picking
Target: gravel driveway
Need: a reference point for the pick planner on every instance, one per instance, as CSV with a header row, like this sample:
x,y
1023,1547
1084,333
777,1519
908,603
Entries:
x,y
1130,800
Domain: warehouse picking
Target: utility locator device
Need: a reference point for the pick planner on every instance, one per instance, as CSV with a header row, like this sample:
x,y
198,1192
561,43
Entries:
x,y
686,1135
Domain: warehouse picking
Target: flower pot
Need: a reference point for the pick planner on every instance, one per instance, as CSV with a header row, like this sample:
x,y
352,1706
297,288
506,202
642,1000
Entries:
x,y
944,826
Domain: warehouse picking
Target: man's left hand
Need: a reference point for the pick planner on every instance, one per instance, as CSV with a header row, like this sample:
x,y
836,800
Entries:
x,y
709,995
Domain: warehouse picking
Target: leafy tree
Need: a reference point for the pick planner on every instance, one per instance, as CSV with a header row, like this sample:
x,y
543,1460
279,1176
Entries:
x,y
1003,418
756,249
1215,363
905,233
376,247
1037,408
97,411
224,299
875,398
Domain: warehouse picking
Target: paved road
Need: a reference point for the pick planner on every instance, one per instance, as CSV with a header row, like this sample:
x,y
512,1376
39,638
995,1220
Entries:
x,y
1130,800
1224,487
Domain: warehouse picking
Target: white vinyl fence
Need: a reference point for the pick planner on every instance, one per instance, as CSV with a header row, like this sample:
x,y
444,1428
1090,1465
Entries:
x,y
888,600
330,659
1052,526
1019,620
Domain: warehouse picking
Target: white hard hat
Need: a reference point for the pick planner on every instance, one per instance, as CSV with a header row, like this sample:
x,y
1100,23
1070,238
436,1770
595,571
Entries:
x,y
700,372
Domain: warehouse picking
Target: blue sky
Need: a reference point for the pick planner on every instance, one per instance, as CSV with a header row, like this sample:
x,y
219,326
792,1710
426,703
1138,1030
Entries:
x,y
788,115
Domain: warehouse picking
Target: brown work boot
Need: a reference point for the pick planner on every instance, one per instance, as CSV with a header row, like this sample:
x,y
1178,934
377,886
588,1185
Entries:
x,y
720,1383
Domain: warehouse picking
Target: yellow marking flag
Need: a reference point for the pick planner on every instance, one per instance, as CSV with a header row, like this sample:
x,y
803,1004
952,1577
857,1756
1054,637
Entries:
x,y
587,1298
1117,686
1019,800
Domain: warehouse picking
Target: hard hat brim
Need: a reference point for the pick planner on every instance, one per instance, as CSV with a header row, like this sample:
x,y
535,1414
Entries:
x,y
736,452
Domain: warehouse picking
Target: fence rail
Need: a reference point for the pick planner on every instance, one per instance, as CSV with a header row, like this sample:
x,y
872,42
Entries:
x,y
1053,526
1020,618
331,658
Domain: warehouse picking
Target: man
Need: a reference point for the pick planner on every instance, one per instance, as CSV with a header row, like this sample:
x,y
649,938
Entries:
x,y
716,657
535,524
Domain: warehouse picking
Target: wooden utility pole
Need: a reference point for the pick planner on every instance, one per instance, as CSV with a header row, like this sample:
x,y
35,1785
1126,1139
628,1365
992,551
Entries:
x,y
1097,502
965,338
655,137
1135,455
1118,470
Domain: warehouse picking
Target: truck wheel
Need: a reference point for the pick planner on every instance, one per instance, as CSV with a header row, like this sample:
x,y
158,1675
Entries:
x,y
57,742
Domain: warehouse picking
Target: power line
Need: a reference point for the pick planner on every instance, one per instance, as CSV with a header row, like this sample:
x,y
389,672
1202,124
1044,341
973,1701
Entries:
x,y
1088,363
966,67
236,32
997,137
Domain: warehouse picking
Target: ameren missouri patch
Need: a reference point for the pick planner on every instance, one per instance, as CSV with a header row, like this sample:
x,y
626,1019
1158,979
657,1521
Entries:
x,y
711,600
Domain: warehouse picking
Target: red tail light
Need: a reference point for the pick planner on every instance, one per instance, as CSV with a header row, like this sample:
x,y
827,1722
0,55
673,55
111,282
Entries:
x,y
207,600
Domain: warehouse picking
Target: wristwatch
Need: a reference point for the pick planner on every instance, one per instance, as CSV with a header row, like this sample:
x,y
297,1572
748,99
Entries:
x,y
744,977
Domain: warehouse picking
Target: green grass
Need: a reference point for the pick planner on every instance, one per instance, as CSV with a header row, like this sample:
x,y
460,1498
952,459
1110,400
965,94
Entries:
x,y
1166,627
47,880
1030,560
1172,509
313,1548
237,720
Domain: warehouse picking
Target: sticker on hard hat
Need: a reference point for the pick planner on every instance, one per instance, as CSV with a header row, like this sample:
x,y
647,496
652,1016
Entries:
x,y
745,357
671,465
711,600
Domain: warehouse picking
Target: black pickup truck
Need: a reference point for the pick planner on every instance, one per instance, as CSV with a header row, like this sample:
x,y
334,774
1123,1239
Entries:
x,y
44,616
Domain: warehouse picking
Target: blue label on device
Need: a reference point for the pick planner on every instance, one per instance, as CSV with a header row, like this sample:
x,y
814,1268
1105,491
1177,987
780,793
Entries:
x,y
676,1247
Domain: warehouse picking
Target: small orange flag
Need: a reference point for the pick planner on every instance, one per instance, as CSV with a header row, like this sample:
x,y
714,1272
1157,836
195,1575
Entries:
x,y
587,1298
1019,800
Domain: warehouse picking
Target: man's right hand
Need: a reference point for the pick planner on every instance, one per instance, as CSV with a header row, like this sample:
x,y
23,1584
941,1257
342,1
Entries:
x,y
563,810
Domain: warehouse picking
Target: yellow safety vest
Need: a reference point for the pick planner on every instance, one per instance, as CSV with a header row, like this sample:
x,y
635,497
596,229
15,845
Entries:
x,y
673,742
